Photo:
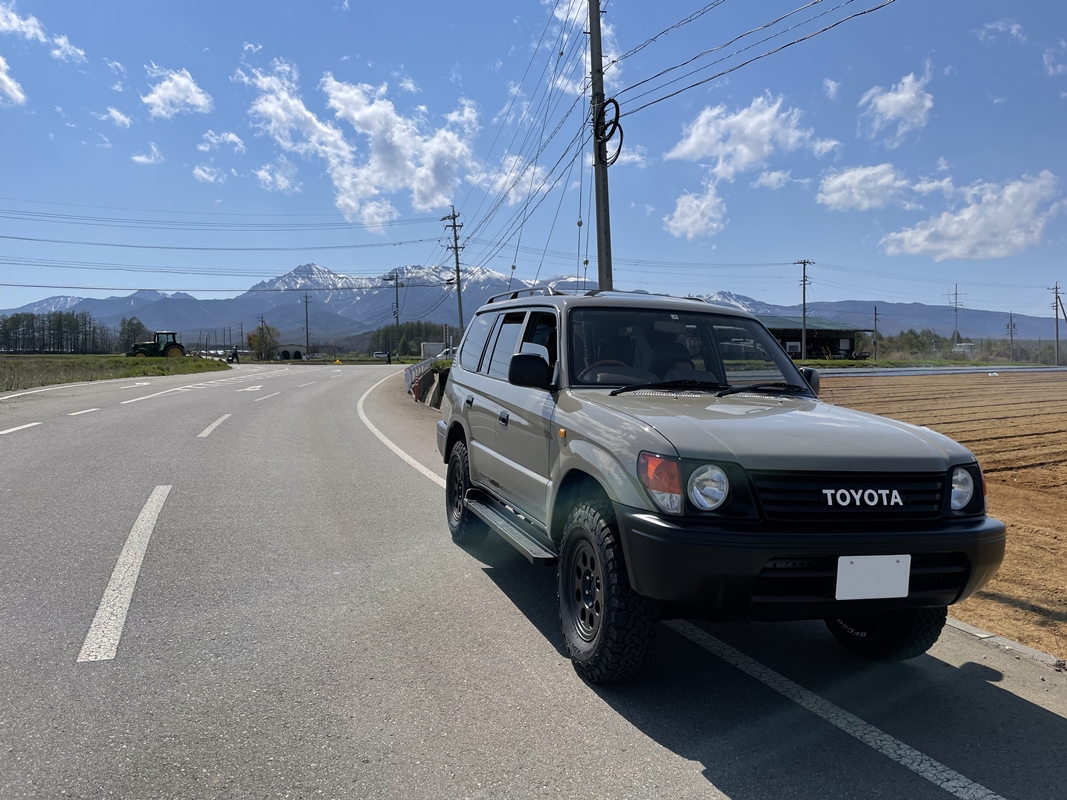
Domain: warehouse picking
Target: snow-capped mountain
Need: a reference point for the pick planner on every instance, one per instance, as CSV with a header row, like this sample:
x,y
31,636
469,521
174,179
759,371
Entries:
x,y
48,305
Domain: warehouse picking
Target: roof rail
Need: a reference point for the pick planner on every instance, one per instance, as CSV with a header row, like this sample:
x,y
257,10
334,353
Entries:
x,y
514,293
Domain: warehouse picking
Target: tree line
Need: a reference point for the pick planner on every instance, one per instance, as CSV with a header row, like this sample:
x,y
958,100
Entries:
x,y
927,343
67,332
408,340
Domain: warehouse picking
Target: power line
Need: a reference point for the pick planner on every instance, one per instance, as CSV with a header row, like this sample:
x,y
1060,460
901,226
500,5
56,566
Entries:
x,y
681,23
220,249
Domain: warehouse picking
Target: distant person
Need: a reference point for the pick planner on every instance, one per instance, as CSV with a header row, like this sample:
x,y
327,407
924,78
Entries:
x,y
388,356
234,357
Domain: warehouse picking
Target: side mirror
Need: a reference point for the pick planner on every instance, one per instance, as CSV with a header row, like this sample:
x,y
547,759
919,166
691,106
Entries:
x,y
531,370
812,377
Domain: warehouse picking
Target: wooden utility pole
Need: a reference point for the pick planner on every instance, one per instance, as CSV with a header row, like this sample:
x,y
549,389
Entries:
x,y
1057,304
875,339
455,248
600,151
804,263
307,332
1011,337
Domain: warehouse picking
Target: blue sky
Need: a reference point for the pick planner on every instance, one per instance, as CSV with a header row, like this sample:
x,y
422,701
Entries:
x,y
906,151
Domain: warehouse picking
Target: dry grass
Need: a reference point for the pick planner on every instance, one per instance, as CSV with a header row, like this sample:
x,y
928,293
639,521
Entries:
x,y
27,372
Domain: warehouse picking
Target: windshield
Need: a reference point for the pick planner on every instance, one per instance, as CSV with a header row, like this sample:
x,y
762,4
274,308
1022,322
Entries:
x,y
624,346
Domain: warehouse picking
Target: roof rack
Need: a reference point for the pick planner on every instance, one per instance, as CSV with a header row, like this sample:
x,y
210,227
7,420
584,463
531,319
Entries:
x,y
514,293
596,292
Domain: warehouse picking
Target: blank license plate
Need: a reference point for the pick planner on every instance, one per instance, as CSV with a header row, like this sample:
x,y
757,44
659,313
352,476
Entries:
x,y
872,577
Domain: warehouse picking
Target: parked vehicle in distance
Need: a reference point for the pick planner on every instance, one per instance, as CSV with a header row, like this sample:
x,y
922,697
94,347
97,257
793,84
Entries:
x,y
380,354
164,344
670,460
447,354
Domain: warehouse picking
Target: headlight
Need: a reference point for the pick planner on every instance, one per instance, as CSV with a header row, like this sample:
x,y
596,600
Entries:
x,y
708,487
962,488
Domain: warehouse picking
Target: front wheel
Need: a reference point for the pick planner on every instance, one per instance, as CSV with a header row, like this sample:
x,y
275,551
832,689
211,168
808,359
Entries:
x,y
463,525
890,636
609,630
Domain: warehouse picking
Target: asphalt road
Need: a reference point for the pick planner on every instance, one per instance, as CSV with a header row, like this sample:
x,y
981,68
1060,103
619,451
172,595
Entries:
x,y
291,619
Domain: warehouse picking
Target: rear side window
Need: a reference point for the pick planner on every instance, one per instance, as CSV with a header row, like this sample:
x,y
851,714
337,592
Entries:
x,y
470,355
506,340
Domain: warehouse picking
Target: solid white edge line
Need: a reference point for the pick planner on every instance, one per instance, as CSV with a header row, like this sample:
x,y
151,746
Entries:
x,y
922,765
47,389
102,641
86,411
433,476
207,431
266,397
19,428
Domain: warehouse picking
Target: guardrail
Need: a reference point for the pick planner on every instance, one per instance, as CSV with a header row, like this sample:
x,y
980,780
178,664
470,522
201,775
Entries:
x,y
416,371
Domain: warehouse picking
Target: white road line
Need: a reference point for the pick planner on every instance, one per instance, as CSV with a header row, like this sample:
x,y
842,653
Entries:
x,y
266,397
102,641
207,431
86,411
922,765
433,476
19,428
48,389
301,386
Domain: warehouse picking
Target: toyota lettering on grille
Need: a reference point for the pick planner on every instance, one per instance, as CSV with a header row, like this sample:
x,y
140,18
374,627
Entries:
x,y
862,497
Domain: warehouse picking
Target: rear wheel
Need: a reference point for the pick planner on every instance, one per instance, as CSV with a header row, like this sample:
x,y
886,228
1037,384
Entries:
x,y
173,352
140,354
464,526
892,636
609,630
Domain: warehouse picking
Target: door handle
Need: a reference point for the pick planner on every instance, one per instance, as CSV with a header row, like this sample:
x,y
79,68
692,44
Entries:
x,y
469,401
503,417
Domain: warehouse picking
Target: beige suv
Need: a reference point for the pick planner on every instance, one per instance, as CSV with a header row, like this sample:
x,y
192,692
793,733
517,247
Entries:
x,y
671,459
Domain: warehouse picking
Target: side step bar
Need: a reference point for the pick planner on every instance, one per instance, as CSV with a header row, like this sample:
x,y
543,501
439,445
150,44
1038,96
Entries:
x,y
510,529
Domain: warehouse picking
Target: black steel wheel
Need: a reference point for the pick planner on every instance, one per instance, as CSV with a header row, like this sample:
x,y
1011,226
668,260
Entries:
x,y
463,525
609,630
891,636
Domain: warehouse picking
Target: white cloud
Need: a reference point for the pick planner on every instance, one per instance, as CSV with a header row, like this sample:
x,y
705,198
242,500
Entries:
x,y
65,51
205,173
212,140
175,94
116,67
697,214
255,48
28,27
929,185
1050,56
861,188
773,180
831,87
747,138
942,165
989,31
907,104
573,19
516,178
400,157
408,85
116,116
153,157
998,221
104,142
636,155
278,178
9,87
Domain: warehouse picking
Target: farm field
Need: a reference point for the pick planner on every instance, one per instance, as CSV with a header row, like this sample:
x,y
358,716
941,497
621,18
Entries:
x,y
1016,424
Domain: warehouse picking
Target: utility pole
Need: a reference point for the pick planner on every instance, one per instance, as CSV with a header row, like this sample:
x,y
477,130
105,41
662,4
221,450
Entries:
x,y
307,333
875,339
455,248
241,334
804,262
600,150
956,305
1056,313
1011,336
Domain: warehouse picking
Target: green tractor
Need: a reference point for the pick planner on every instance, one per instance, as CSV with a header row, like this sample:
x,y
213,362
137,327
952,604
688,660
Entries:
x,y
165,344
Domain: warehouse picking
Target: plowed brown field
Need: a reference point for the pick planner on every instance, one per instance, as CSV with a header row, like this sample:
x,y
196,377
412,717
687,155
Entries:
x,y
1016,424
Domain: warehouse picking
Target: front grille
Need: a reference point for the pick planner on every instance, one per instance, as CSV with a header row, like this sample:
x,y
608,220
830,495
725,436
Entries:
x,y
801,496
813,579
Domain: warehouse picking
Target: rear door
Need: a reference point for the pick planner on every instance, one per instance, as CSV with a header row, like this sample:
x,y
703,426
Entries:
x,y
467,390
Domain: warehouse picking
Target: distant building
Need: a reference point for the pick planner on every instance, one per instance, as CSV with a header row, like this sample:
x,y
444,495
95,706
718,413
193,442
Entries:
x,y
291,352
826,339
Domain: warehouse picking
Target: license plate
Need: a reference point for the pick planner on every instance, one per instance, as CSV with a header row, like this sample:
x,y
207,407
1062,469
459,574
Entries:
x,y
872,577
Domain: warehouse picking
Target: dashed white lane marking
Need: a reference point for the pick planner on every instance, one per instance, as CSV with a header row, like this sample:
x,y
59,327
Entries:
x,y
251,388
86,411
922,765
934,771
102,641
47,389
208,384
207,431
266,397
433,476
301,386
20,428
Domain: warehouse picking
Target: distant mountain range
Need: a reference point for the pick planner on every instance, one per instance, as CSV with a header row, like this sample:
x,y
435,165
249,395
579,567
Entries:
x,y
345,306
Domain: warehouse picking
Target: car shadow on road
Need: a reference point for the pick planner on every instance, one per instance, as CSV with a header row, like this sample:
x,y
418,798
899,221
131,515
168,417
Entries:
x,y
755,744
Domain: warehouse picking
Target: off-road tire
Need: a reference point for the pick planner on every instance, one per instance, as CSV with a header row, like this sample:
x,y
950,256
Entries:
x,y
609,630
892,636
464,526
174,351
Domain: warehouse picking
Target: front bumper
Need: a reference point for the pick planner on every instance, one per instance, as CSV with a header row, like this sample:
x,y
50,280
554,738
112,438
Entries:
x,y
756,572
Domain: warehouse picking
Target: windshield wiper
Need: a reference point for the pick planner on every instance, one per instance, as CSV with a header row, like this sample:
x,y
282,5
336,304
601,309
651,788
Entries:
x,y
775,386
681,383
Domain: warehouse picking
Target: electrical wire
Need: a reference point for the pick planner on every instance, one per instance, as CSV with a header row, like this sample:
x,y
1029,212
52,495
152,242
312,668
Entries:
x,y
220,249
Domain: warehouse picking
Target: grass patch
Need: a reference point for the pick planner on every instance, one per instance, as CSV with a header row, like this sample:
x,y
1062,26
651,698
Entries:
x,y
28,372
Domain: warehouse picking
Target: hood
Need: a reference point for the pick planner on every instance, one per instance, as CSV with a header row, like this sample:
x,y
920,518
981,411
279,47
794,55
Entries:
x,y
768,432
